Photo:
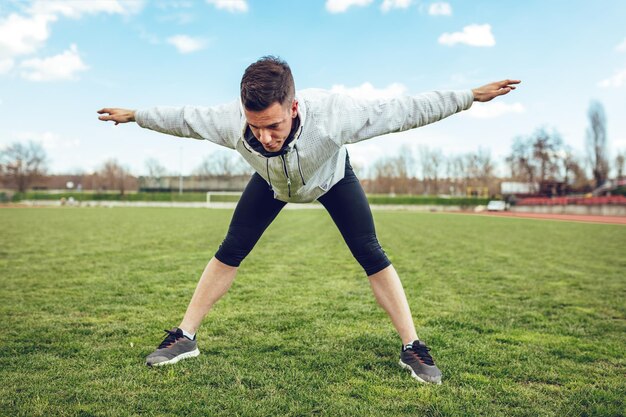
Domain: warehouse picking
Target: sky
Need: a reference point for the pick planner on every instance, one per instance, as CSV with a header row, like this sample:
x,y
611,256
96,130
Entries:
x,y
61,61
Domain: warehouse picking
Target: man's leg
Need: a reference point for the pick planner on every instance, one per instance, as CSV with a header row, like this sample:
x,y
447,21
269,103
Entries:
x,y
349,209
214,282
255,211
347,205
390,295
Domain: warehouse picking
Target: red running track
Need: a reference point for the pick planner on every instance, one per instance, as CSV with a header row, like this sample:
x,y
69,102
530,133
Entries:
x,y
563,217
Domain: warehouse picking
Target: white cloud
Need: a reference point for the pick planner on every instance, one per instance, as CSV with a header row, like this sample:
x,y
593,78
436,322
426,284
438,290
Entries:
x,y
174,4
440,9
186,44
395,4
26,33
48,140
75,9
6,65
59,67
621,47
617,80
233,6
494,109
473,35
340,6
21,35
367,91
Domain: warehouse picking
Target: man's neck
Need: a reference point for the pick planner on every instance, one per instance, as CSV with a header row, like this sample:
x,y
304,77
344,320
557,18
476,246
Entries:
x,y
256,145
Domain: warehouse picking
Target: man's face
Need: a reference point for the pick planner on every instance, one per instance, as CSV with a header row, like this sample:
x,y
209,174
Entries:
x,y
272,126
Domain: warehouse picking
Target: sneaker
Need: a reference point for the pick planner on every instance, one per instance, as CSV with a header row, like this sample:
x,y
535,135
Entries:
x,y
174,348
415,358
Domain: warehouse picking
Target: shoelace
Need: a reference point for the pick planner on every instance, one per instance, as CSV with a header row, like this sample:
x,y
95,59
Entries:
x,y
171,338
421,351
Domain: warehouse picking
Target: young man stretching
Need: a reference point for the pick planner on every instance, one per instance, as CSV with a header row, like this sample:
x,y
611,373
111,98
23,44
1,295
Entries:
x,y
295,143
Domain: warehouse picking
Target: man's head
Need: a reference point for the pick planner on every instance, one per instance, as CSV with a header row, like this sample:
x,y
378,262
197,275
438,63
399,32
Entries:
x,y
268,97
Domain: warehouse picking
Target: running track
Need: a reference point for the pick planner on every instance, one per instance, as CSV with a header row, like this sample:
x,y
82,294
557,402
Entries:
x,y
563,217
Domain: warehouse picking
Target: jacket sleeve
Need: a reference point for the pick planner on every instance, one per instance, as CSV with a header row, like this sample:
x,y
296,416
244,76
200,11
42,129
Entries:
x,y
218,124
354,120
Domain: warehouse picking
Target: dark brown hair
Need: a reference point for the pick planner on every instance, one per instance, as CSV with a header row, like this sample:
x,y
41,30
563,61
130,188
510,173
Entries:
x,y
265,82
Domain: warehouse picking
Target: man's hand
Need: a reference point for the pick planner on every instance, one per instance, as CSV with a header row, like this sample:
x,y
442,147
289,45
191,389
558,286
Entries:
x,y
493,90
117,115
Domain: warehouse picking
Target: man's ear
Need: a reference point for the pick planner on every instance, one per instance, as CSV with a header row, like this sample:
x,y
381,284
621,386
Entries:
x,y
294,109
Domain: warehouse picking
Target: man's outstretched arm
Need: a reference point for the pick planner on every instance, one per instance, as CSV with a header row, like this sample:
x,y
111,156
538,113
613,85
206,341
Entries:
x,y
361,119
492,90
219,124
117,115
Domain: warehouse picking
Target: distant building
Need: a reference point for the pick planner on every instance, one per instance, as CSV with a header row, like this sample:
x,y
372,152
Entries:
x,y
518,188
194,183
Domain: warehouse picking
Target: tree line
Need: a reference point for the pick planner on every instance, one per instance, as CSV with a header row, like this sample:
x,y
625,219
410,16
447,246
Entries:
x,y
541,157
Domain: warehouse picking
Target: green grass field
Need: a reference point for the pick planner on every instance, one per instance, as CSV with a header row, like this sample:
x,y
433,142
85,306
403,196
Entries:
x,y
524,317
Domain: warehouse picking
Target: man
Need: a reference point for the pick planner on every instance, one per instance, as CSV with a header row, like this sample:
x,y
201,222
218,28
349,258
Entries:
x,y
296,146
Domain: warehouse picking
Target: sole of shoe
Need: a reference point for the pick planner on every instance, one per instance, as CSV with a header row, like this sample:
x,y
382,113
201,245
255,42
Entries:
x,y
180,357
414,375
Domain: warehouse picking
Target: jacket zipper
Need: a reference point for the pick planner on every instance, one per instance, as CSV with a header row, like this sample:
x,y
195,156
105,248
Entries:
x,y
299,167
267,167
286,175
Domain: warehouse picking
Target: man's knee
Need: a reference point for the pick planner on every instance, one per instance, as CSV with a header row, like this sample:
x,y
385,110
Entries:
x,y
369,254
236,246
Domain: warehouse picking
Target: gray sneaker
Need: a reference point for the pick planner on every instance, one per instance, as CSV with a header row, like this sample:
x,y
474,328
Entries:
x,y
415,358
174,348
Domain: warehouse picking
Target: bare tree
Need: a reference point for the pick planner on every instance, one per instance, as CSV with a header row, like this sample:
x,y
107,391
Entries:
x,y
578,174
431,162
240,166
222,164
22,163
436,160
483,165
481,169
535,158
521,160
394,174
546,149
571,170
155,169
620,162
383,173
457,168
597,152
113,176
156,172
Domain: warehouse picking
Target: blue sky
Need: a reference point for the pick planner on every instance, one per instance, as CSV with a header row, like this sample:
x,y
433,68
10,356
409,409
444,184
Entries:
x,y
60,61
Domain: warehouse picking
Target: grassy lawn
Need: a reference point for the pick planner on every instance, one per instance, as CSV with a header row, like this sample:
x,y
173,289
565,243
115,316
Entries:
x,y
524,317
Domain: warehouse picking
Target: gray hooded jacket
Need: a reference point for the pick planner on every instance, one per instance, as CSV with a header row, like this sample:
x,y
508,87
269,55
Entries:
x,y
314,160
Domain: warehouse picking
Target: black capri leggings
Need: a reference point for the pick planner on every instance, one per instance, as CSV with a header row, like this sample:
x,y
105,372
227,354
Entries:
x,y
345,202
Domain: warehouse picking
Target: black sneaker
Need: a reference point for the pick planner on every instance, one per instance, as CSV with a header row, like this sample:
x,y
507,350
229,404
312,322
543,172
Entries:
x,y
415,357
174,348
